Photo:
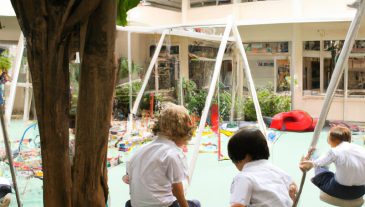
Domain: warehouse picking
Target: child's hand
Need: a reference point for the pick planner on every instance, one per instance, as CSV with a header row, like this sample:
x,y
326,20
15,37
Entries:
x,y
310,152
305,165
293,191
126,179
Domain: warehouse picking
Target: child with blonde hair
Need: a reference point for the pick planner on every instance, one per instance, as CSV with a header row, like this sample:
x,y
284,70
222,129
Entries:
x,y
156,172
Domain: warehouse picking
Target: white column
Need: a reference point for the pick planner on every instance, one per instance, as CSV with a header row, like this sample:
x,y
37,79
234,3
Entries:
x,y
209,98
16,68
148,73
185,5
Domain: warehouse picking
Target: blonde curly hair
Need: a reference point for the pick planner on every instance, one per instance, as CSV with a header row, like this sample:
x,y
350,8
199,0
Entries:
x,y
174,122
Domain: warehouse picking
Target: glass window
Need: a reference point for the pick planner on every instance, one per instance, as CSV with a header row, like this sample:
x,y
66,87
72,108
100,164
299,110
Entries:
x,y
311,45
333,45
329,65
311,73
267,47
202,3
359,46
356,76
168,66
283,76
201,64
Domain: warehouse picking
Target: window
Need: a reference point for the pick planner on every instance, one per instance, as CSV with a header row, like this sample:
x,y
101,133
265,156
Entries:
x,y
356,76
201,64
311,74
329,54
359,46
329,66
202,3
312,45
267,47
283,76
168,66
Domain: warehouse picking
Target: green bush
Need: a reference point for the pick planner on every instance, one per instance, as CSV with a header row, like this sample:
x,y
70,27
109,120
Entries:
x,y
122,96
270,104
5,62
195,100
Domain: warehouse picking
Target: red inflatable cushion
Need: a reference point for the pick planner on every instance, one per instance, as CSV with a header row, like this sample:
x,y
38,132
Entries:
x,y
296,120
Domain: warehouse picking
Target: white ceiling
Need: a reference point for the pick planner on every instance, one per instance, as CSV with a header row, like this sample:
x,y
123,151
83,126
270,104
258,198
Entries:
x,y
6,9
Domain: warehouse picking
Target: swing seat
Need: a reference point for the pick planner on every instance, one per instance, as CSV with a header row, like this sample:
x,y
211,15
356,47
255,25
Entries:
x,y
341,202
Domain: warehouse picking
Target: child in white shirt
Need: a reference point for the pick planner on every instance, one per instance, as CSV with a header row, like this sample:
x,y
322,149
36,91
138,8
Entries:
x,y
349,180
156,172
259,183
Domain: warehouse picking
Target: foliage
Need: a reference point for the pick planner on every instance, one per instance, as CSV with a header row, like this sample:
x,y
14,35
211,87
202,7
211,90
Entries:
x,y
123,7
122,96
5,62
74,84
195,100
270,104
123,68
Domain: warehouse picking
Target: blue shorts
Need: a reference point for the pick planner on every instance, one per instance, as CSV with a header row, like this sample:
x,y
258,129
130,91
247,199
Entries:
x,y
325,180
191,203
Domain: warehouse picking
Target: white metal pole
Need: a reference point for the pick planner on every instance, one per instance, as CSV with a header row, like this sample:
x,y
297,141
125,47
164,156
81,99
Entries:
x,y
208,101
148,73
338,71
181,86
250,82
130,122
16,67
26,98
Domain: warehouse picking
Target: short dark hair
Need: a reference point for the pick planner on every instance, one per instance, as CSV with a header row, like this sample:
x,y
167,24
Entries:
x,y
340,133
248,141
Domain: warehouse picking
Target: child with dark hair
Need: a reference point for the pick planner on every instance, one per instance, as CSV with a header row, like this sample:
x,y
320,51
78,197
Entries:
x,y
157,171
349,180
259,183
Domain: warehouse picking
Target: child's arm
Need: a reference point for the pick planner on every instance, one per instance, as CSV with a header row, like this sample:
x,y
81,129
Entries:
x,y
306,165
178,192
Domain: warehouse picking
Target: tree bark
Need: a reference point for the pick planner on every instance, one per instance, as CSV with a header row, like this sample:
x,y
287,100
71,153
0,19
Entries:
x,y
47,26
48,63
97,84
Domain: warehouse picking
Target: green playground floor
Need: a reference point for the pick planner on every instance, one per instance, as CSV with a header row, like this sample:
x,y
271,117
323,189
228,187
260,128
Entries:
x,y
212,178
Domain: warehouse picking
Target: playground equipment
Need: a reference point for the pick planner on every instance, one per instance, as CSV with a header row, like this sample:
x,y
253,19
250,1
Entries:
x,y
335,79
297,121
229,27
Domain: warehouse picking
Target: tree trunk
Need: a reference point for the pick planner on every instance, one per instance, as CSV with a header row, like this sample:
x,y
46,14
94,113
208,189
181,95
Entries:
x,y
47,26
97,84
48,63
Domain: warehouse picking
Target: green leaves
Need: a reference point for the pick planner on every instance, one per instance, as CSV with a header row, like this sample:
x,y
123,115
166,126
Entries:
x,y
270,104
123,6
123,65
5,62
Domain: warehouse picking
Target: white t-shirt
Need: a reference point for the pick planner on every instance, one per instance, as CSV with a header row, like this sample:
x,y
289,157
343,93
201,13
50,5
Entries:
x,y
261,184
349,160
152,170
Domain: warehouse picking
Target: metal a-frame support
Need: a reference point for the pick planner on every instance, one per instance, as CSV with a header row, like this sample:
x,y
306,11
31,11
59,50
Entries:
x,y
230,27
